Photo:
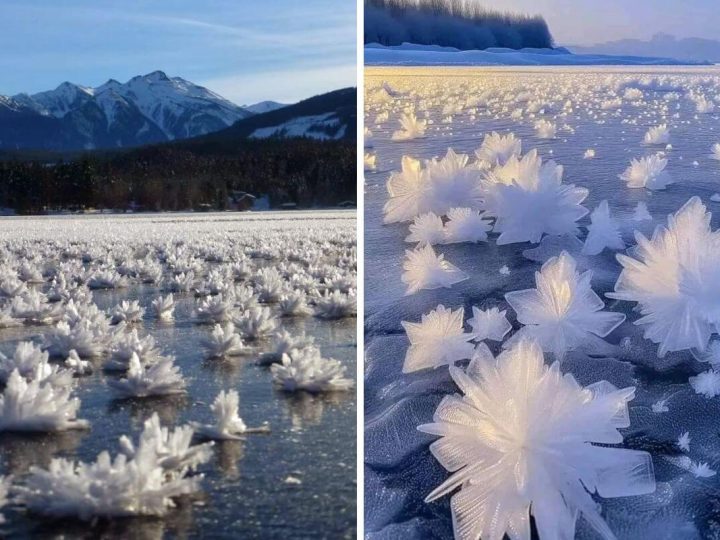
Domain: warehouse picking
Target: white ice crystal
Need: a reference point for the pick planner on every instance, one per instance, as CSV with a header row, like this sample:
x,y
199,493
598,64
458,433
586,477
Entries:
x,y
76,364
336,305
545,129
529,200
424,269
411,128
129,311
465,225
640,213
306,370
589,154
525,439
256,323
647,172
657,135
294,304
437,340
673,278
563,312
496,149
409,192
427,229
26,358
37,406
163,307
161,379
223,341
683,441
370,161
603,232
706,383
489,324
228,424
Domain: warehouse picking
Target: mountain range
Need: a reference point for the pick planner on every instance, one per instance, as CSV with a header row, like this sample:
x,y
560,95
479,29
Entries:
x,y
147,109
689,49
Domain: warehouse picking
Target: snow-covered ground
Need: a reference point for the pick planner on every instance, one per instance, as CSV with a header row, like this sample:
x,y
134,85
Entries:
x,y
212,356
410,54
593,122
303,126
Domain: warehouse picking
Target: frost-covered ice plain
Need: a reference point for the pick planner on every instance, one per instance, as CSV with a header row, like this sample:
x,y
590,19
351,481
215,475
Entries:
x,y
178,375
583,231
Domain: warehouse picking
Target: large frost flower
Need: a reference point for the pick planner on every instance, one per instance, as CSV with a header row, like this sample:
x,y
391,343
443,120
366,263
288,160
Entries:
x,y
524,440
563,312
408,190
305,370
412,128
426,270
657,135
452,183
529,200
465,225
496,149
161,379
336,305
437,340
38,406
427,229
228,424
163,307
545,129
647,172
603,232
490,324
674,279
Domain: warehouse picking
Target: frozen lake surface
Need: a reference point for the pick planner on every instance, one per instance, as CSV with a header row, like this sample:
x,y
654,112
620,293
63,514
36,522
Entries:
x,y
604,109
296,481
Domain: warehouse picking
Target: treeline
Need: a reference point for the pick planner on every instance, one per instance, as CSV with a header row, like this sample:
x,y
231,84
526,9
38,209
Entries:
x,y
462,24
173,177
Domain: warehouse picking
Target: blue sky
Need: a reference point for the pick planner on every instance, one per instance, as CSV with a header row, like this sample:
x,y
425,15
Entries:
x,y
584,22
245,50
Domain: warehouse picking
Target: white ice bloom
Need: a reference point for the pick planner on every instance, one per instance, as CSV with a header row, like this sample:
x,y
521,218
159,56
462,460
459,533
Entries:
x,y
703,106
674,279
125,345
683,441
25,359
489,324
215,309
7,320
228,424
370,161
640,213
409,192
452,183
603,232
294,304
715,152
524,440
545,129
160,379
107,279
647,172
33,307
336,305
163,307
701,470
529,200
5,483
285,342
437,340
223,341
82,337
129,311
77,365
589,154
657,135
563,312
38,406
660,406
173,449
256,323
306,370
182,282
706,383
426,270
496,149
465,225
427,229
411,128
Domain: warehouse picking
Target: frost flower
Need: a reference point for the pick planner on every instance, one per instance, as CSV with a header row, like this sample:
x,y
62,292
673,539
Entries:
x,y
490,324
647,172
412,128
426,270
524,440
306,370
160,379
228,425
603,232
657,135
465,225
496,149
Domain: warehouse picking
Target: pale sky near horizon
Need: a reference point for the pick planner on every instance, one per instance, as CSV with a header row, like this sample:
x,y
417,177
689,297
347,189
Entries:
x,y
245,50
586,22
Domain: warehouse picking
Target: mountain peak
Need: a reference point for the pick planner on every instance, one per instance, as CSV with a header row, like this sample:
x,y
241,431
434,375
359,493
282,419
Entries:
x,y
156,76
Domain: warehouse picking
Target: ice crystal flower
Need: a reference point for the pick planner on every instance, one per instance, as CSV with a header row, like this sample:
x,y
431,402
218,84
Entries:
x,y
163,307
215,309
107,279
437,340
524,440
683,441
490,324
228,424
37,406
706,383
161,379
409,192
427,229
426,270
369,161
284,344
589,154
125,345
306,370
336,305
673,278
224,342
603,232
496,149
26,359
82,337
545,129
640,213
647,172
529,200
465,225
411,128
563,312
128,312
294,304
77,365
452,183
657,135
256,323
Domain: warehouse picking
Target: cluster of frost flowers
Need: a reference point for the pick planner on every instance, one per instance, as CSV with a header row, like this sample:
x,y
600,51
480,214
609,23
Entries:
x,y
228,424
306,370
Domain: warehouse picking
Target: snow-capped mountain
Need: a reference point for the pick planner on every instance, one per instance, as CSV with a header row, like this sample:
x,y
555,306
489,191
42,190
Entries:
x,y
146,109
264,106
